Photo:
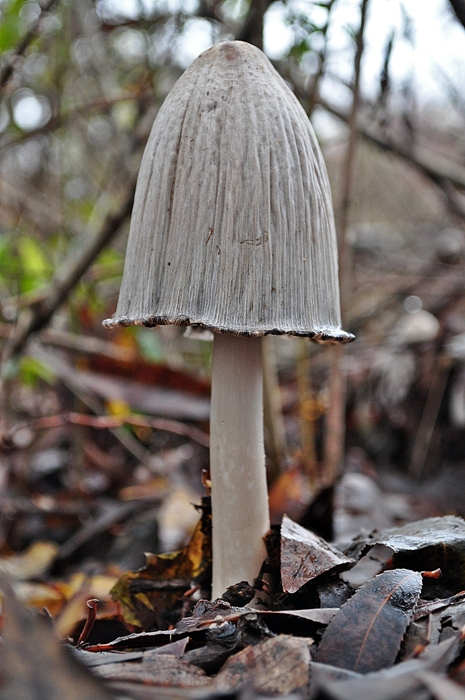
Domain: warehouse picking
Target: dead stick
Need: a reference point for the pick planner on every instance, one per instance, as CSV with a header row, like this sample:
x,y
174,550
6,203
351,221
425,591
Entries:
x,y
7,71
92,606
108,423
36,318
322,55
335,419
429,417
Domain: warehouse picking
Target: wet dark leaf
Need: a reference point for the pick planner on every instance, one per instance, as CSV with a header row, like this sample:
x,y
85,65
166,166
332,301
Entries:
x,y
366,633
222,641
304,556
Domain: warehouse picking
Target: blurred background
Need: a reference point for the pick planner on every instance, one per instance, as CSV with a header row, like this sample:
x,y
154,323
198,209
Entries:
x,y
105,433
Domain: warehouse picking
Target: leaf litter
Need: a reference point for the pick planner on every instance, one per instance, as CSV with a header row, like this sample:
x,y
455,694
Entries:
x,y
393,632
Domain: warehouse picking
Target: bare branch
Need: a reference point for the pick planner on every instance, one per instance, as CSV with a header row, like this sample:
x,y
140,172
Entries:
x,y
108,423
335,417
8,68
459,8
37,317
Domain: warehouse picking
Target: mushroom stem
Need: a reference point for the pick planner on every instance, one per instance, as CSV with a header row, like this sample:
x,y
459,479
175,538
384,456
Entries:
x,y
237,462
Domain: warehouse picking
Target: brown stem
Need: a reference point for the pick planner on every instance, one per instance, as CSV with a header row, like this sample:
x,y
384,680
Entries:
x,y
313,91
36,318
459,8
252,29
108,423
335,419
7,70
92,606
429,417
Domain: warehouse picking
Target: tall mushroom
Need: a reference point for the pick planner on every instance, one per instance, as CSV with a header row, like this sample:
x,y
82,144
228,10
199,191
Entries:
x,y
232,230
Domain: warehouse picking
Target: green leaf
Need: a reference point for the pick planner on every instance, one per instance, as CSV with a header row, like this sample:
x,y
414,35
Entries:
x,y
32,370
34,265
10,24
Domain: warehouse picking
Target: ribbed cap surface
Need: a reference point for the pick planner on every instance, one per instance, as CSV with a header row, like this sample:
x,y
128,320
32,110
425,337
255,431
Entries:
x,y
232,227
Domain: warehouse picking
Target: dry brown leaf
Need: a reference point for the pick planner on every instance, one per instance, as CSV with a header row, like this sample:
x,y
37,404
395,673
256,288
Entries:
x,y
147,594
31,563
155,669
276,666
366,633
304,556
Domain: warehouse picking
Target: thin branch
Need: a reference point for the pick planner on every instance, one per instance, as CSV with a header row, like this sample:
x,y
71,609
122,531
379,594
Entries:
x,y
106,423
435,167
322,55
335,418
38,316
459,9
252,29
445,174
56,121
28,38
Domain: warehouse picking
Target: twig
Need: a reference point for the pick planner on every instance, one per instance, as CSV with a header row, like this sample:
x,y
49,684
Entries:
x,y
102,104
335,417
313,91
7,70
87,344
37,317
252,29
459,8
429,417
108,423
441,171
120,513
92,606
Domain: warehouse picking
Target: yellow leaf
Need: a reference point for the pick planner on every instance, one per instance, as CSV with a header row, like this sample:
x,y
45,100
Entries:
x,y
148,596
31,563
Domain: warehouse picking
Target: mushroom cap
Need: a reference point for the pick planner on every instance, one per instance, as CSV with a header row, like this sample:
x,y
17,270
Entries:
x,y
232,228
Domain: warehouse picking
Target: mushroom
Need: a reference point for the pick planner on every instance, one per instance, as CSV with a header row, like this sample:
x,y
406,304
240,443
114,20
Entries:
x,y
232,231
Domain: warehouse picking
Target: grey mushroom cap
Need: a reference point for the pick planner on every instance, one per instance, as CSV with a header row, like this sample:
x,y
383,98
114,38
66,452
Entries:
x,y
232,227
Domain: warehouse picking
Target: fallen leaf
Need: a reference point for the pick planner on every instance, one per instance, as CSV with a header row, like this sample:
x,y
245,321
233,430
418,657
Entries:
x,y
397,683
276,666
365,635
40,595
31,563
431,543
150,593
304,556
441,687
368,566
155,670
322,616
104,657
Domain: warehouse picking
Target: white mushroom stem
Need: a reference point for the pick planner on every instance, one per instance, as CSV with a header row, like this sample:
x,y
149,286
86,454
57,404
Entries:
x,y
237,462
